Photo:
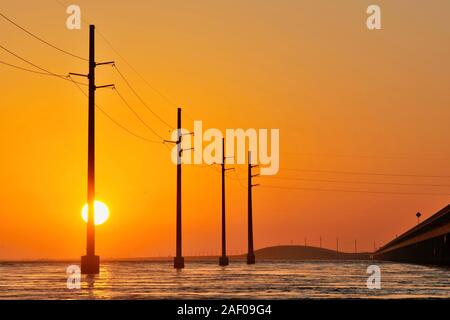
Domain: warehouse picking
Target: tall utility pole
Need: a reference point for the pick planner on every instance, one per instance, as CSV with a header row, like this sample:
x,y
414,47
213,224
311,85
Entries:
x,y
250,254
178,261
223,260
90,263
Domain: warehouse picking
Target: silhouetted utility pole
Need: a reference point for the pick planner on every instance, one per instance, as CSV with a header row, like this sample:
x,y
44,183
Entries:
x,y
418,215
223,260
250,254
90,263
178,261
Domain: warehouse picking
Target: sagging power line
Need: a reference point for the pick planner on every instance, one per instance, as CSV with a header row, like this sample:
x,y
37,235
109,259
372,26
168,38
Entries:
x,y
45,71
362,156
113,48
358,191
29,70
137,114
40,39
140,98
42,70
366,173
118,124
360,182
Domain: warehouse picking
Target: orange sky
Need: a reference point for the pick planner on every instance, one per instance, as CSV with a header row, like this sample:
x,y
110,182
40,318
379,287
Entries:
x,y
371,101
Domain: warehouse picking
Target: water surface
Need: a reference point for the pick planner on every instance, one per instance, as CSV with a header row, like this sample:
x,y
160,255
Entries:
x,y
206,280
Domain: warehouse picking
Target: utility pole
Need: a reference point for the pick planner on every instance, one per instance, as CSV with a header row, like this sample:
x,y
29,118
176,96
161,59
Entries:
x,y
223,260
178,261
90,263
250,254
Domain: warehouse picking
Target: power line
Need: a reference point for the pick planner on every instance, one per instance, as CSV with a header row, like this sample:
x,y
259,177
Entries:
x,y
140,99
211,166
38,72
36,66
105,39
135,71
26,69
357,191
114,121
137,115
329,155
124,128
141,77
238,179
360,182
42,40
30,63
367,173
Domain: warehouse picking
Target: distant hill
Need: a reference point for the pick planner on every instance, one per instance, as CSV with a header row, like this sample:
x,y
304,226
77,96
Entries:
x,y
306,253
286,252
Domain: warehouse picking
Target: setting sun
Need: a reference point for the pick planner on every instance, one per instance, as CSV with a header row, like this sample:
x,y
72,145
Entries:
x,y
101,212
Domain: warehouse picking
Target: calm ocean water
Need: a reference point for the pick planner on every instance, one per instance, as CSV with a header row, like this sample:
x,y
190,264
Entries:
x,y
206,280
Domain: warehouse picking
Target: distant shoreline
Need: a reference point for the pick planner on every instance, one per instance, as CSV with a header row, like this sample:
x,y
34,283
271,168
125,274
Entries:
x,y
277,253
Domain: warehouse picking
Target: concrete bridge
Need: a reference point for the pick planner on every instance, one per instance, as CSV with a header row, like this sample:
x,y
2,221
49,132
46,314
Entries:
x,y
426,243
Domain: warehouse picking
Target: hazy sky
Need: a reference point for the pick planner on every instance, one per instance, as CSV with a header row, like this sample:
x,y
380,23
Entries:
x,y
344,98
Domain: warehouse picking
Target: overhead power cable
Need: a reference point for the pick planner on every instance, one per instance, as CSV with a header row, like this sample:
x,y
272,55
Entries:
x,y
142,100
367,173
329,155
36,66
105,39
114,121
29,70
358,191
40,39
137,115
359,182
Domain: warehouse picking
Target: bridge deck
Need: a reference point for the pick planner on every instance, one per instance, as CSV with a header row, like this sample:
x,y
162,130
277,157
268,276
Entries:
x,y
428,242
